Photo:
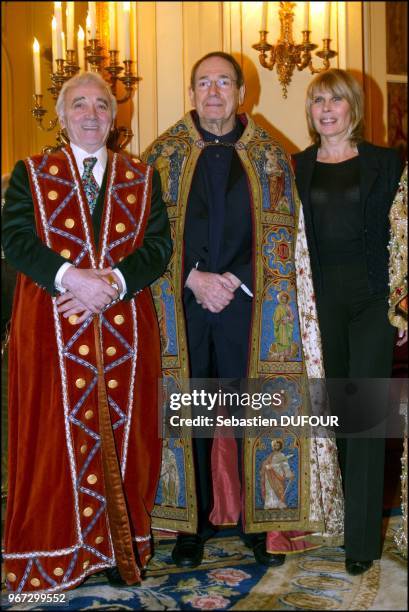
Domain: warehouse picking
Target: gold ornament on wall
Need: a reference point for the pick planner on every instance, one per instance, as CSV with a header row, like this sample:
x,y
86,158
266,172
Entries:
x,y
286,55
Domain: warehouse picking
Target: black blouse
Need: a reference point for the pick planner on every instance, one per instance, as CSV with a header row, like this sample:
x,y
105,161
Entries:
x,y
337,214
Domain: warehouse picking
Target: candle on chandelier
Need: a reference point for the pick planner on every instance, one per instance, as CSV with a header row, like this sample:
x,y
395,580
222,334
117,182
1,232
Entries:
x,y
87,29
58,22
64,49
54,42
264,16
327,20
70,25
112,25
126,7
120,30
92,8
306,16
37,73
80,42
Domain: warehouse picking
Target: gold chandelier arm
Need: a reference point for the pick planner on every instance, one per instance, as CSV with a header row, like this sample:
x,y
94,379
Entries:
x,y
326,54
268,63
39,111
129,81
305,49
263,47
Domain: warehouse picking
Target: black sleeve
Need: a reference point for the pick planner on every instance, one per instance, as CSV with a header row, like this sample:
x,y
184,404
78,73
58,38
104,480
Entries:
x,y
396,166
148,262
23,249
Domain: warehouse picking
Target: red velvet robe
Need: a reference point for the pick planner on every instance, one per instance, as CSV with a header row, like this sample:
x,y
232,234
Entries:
x,y
78,391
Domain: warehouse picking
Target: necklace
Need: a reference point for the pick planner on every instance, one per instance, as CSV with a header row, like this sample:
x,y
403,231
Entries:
x,y
203,144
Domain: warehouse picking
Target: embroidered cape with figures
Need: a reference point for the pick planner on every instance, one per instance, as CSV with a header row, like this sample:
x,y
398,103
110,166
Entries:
x,y
81,487
304,492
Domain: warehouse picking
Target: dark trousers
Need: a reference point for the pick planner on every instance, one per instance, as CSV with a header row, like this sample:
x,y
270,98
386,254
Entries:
x,y
218,348
357,341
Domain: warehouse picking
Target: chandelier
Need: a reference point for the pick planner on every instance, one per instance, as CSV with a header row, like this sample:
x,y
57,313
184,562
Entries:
x,y
68,61
286,55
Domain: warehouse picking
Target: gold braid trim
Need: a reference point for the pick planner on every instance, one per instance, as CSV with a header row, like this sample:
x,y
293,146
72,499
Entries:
x,y
398,256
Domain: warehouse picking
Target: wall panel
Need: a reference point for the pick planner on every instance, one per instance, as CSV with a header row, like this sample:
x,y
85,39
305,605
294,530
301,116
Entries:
x,y
169,63
145,118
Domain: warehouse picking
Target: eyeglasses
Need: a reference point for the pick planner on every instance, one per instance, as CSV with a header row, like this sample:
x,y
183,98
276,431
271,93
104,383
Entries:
x,y
221,83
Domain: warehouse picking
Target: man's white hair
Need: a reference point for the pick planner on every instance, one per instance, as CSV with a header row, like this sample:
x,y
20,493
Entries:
x,y
84,79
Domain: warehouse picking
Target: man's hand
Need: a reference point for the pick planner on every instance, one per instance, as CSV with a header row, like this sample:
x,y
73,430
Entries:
x,y
108,275
69,305
90,287
212,291
232,280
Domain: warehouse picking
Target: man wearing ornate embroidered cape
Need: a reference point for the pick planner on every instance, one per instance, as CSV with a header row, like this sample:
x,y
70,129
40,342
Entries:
x,y
84,455
239,244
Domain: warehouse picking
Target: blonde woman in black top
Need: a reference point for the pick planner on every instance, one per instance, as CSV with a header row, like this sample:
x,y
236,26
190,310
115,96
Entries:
x,y
347,187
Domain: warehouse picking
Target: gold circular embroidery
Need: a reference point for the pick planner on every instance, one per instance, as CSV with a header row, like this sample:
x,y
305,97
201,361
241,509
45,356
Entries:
x,y
129,174
89,414
111,350
88,511
85,564
58,571
83,449
11,577
73,319
69,223
53,170
120,228
80,383
112,384
35,582
131,199
99,539
83,349
92,479
119,319
52,195
65,253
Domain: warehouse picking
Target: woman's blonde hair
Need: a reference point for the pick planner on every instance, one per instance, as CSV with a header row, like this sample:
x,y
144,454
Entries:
x,y
339,83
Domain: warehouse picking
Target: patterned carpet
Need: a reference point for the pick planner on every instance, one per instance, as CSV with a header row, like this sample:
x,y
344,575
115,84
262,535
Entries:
x,y
229,579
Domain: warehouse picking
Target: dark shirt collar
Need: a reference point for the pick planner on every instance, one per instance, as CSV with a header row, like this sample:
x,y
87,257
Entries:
x,y
232,136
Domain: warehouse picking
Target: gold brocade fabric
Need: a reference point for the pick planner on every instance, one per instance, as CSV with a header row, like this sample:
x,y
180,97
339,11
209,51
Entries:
x,y
398,316
398,256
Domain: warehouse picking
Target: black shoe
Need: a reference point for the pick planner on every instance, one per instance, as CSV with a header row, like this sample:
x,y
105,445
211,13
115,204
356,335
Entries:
x,y
115,579
263,557
188,551
357,567
207,532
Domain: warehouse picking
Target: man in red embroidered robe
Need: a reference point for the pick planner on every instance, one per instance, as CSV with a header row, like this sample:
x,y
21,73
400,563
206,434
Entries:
x,y
88,231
